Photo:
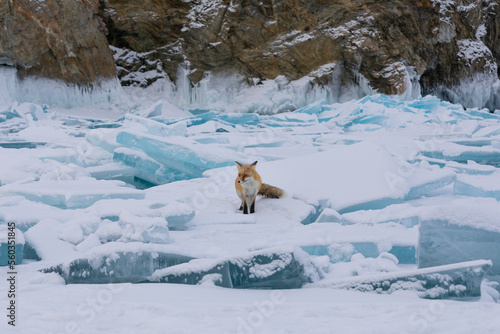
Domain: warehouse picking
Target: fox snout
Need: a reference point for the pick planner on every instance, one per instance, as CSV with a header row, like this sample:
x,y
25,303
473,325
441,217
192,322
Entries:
x,y
245,179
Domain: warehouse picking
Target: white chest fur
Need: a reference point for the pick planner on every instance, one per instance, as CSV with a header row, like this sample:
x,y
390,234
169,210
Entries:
x,y
250,187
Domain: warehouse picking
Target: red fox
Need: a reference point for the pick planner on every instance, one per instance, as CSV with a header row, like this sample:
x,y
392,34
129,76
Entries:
x,y
249,184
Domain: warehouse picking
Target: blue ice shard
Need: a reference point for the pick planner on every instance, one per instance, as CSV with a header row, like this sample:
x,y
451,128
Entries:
x,y
314,108
184,157
382,99
474,142
484,114
190,121
240,119
276,268
147,168
34,111
314,213
472,168
178,221
11,236
447,281
443,243
342,251
478,186
7,114
404,214
79,193
329,215
442,179
157,128
111,171
459,153
21,144
103,138
465,230
121,266
426,104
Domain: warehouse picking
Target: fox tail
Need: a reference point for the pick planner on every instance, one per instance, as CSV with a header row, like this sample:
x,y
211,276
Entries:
x,y
270,191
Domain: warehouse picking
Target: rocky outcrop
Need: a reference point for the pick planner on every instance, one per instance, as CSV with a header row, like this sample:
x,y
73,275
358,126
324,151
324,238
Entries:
x,y
443,43
62,40
447,48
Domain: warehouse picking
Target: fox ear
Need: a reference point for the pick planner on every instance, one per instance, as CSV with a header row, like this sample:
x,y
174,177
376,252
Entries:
x,y
255,163
238,164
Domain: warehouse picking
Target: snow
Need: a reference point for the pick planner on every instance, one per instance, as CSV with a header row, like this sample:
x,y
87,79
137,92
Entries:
x,y
473,51
436,282
193,309
71,193
119,193
4,236
473,185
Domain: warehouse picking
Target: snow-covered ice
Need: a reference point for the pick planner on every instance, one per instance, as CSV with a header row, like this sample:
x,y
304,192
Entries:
x,y
274,268
79,193
379,191
464,229
457,280
484,186
11,236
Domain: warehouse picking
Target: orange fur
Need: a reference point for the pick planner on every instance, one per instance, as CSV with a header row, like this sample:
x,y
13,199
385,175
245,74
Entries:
x,y
249,184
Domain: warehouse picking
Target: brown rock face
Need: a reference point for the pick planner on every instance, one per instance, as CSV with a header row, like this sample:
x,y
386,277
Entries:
x,y
379,42
54,39
266,38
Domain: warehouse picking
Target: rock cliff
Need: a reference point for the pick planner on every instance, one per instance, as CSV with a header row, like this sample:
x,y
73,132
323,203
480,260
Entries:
x,y
62,40
448,48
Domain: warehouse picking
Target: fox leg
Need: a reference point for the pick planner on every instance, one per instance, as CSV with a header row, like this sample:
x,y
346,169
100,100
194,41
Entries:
x,y
245,208
252,206
249,204
240,195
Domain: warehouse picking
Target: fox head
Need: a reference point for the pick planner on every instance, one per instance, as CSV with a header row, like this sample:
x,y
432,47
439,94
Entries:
x,y
245,171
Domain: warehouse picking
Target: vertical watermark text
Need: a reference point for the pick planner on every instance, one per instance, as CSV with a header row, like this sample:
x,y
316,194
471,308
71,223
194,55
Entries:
x,y
11,274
